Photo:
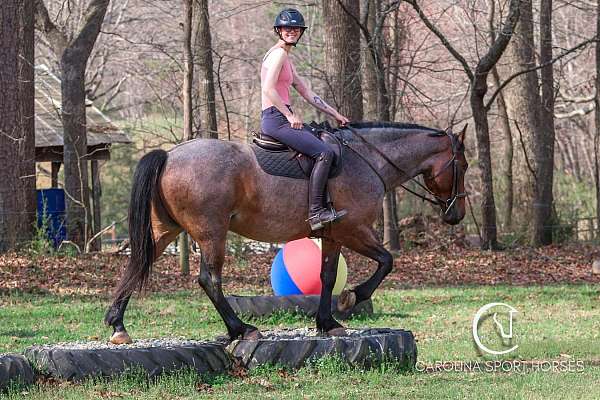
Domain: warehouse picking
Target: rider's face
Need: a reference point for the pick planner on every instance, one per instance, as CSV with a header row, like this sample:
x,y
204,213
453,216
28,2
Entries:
x,y
290,33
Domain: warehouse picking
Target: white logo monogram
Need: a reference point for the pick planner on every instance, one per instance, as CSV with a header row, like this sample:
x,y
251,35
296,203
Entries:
x,y
503,334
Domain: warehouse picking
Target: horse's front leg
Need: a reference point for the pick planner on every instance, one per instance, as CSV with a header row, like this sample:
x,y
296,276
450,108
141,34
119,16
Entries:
x,y
329,263
364,241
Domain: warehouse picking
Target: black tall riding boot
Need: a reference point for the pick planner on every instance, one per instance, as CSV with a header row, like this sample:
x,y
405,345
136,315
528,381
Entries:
x,y
318,215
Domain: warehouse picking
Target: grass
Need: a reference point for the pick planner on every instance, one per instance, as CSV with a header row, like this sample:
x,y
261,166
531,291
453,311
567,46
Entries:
x,y
332,383
554,322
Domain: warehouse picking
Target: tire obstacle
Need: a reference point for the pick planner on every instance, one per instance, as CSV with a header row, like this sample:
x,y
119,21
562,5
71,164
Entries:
x,y
15,369
77,361
287,348
262,306
297,348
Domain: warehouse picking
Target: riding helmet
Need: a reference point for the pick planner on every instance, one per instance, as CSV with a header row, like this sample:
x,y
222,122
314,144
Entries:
x,y
289,17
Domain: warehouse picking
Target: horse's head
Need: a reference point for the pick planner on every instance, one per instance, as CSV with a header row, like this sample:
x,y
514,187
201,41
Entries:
x,y
445,178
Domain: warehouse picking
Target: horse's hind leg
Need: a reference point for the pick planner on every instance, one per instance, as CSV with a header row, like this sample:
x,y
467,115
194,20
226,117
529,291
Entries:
x,y
364,241
212,247
116,312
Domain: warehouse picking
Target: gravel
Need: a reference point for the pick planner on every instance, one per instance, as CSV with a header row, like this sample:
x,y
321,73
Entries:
x,y
169,342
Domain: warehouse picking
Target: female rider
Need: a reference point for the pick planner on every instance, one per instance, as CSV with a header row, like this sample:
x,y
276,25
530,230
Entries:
x,y
280,122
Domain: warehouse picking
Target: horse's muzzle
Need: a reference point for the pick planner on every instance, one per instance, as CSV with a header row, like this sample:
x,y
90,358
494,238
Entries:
x,y
453,215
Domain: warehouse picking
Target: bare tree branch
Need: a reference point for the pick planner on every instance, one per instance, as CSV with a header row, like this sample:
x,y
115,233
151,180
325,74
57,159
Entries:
x,y
57,38
576,99
501,41
578,112
442,38
94,16
555,59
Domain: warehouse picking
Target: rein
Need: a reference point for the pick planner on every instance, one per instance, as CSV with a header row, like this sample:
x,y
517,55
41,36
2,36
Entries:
x,y
437,200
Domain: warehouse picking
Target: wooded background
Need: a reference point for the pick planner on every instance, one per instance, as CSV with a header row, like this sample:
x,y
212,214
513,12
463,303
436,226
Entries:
x,y
522,74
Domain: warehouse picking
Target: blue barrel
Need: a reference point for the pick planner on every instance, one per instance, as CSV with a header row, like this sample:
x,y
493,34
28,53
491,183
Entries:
x,y
51,210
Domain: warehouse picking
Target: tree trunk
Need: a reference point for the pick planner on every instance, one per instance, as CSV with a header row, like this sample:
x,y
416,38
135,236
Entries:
x,y
75,149
391,232
368,74
398,34
544,137
184,253
573,157
206,86
17,138
342,56
390,221
377,105
523,95
375,44
488,207
371,106
597,120
97,212
374,41
188,70
505,122
479,88
188,132
508,155
74,54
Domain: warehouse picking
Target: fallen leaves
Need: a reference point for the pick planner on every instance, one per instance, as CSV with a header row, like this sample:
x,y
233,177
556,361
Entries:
x,y
97,274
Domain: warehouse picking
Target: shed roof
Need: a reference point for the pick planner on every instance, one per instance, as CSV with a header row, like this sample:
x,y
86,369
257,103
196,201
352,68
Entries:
x,y
49,130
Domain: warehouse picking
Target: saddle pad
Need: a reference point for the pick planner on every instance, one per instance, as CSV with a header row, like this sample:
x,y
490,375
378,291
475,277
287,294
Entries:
x,y
278,163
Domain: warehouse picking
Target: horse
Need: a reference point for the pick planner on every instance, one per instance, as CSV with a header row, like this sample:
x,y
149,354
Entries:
x,y
208,187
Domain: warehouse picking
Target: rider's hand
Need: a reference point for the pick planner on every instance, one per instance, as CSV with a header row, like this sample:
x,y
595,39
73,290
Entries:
x,y
295,121
341,119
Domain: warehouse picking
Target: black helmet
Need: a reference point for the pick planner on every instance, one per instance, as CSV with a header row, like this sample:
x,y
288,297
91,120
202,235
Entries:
x,y
289,17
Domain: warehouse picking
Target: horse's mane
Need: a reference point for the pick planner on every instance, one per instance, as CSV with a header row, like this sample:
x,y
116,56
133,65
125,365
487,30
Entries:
x,y
396,125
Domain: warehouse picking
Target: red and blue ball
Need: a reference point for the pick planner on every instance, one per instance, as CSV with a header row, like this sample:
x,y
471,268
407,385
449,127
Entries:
x,y
296,269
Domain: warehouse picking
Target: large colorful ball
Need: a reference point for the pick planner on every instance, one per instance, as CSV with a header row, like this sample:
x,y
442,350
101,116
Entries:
x,y
296,269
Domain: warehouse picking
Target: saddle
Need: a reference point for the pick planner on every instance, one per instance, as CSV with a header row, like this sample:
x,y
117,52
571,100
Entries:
x,y
276,158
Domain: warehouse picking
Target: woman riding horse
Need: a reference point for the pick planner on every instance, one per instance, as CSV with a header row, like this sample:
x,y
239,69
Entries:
x,y
210,187
281,123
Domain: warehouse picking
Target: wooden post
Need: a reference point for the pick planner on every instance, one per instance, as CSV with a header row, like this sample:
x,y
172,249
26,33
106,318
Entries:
x,y
96,194
55,169
184,253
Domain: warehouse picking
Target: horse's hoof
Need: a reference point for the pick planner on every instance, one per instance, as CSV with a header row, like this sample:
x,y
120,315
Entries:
x,y
346,301
339,331
120,338
252,335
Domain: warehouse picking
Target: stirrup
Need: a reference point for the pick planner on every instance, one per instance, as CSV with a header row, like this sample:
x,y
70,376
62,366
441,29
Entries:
x,y
324,217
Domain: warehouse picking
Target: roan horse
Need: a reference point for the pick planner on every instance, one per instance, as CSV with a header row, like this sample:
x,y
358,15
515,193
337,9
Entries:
x,y
209,187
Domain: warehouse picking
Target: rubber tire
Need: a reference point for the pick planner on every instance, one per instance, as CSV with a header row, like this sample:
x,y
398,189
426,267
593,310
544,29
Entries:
x,y
78,364
261,306
15,369
369,348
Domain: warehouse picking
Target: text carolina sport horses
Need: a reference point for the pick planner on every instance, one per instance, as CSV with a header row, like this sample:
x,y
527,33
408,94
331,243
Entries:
x,y
209,187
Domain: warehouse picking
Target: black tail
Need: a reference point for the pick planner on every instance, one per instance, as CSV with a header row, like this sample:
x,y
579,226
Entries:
x,y
144,188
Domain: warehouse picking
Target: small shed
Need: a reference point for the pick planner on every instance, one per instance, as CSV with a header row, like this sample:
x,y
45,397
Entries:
x,y
101,134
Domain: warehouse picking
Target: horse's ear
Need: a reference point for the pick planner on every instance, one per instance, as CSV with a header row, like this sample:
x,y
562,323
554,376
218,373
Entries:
x,y
461,135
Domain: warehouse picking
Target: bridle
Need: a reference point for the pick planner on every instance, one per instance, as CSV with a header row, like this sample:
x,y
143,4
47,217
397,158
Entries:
x,y
445,205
